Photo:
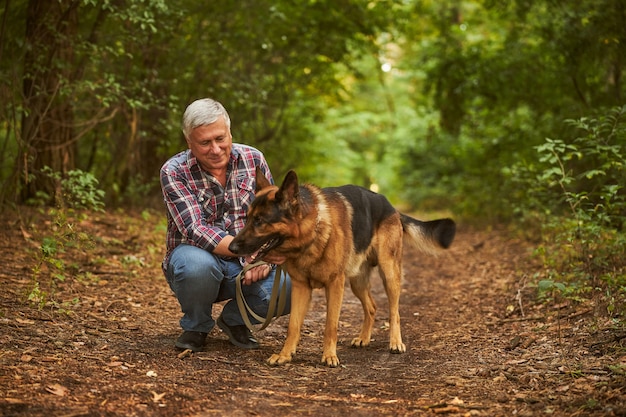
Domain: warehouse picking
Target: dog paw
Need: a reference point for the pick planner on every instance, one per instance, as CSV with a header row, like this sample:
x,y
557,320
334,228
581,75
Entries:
x,y
358,342
278,359
397,348
332,361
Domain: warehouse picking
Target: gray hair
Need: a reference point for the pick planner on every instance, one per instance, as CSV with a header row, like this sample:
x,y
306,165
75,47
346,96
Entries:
x,y
203,112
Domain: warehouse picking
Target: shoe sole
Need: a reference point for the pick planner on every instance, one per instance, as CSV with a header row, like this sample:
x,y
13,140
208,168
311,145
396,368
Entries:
x,y
231,338
185,346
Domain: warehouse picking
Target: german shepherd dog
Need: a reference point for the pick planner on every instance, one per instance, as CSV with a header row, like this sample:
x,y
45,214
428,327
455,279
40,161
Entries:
x,y
328,235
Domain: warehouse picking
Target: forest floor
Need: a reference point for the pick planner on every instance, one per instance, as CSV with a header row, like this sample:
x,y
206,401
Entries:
x,y
478,344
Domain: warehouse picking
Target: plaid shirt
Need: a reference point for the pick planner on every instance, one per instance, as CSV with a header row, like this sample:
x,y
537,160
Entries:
x,y
200,211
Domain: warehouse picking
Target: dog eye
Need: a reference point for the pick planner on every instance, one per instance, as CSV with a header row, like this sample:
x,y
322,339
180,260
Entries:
x,y
258,222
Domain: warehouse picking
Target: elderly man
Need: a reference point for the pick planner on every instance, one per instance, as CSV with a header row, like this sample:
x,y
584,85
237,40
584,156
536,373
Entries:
x,y
207,190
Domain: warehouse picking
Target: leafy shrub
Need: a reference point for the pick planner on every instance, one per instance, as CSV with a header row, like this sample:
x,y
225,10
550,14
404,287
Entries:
x,y
78,190
576,193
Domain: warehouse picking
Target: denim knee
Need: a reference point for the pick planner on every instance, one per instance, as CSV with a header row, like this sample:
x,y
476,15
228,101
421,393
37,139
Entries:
x,y
191,266
195,276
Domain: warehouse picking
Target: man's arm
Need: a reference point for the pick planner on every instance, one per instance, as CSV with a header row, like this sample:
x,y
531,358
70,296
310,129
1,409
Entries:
x,y
186,211
222,248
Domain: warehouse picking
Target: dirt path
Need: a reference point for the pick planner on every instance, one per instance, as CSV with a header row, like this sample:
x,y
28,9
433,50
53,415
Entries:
x,y
106,348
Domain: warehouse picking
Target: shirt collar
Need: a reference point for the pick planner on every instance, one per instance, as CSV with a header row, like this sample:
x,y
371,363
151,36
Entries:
x,y
191,160
234,152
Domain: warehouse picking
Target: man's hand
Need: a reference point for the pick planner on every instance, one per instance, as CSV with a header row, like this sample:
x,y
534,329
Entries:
x,y
222,249
256,274
262,271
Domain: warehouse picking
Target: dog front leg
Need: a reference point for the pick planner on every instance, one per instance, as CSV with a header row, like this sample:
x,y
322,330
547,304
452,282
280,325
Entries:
x,y
300,301
334,298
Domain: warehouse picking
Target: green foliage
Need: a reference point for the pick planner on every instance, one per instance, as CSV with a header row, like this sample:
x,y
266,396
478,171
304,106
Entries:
x,y
494,79
128,70
80,189
548,286
576,193
51,268
473,86
77,190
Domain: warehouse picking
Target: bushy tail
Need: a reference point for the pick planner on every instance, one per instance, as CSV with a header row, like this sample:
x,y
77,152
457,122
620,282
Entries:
x,y
428,236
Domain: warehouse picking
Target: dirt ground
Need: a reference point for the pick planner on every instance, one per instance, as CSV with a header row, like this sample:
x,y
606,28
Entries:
x,y
477,342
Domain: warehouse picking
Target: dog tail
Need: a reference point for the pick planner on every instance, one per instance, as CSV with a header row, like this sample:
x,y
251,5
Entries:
x,y
428,236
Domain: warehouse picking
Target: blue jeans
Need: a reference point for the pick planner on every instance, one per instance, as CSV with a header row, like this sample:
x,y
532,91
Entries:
x,y
199,279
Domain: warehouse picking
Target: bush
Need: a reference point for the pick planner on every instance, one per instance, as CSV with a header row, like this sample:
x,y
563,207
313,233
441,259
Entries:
x,y
576,193
78,191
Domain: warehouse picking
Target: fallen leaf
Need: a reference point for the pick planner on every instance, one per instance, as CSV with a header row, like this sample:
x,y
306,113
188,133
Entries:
x,y
456,401
157,397
499,378
185,353
25,234
23,321
9,400
514,342
151,374
57,389
450,409
282,404
454,380
516,361
423,402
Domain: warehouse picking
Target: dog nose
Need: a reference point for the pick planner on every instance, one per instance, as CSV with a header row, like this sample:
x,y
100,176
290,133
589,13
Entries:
x,y
233,247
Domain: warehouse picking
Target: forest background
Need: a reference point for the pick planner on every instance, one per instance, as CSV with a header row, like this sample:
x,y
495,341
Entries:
x,y
498,112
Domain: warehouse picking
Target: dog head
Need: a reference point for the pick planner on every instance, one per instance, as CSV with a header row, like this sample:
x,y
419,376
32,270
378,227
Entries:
x,y
272,217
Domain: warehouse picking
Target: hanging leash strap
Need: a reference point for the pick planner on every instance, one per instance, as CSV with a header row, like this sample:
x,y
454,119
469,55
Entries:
x,y
278,298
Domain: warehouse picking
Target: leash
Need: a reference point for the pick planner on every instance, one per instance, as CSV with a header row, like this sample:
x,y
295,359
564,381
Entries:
x,y
276,304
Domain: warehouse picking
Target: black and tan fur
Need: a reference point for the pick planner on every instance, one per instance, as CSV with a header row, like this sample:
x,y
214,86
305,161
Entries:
x,y
329,235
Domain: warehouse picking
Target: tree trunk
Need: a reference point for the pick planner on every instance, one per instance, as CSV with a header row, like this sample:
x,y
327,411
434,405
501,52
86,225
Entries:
x,y
47,123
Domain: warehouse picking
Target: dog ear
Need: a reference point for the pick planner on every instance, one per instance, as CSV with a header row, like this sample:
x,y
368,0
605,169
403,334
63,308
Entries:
x,y
289,188
261,180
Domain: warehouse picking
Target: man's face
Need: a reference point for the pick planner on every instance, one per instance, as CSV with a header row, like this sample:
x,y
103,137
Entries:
x,y
211,145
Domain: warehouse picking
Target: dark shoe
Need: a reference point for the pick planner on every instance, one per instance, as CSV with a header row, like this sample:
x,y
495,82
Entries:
x,y
238,335
191,340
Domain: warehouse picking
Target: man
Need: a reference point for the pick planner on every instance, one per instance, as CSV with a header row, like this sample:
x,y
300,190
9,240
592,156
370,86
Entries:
x,y
207,190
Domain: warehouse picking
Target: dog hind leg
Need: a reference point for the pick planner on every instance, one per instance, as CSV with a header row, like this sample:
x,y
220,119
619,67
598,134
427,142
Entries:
x,y
390,267
361,288
391,272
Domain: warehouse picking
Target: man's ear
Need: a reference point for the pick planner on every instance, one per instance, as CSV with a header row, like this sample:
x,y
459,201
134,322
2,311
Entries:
x,y
289,189
261,180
